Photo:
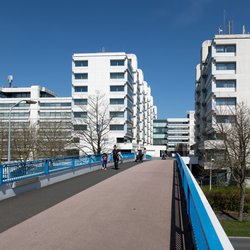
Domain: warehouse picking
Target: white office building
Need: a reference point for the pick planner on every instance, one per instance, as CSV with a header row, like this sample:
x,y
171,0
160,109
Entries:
x,y
222,81
174,134
129,99
47,111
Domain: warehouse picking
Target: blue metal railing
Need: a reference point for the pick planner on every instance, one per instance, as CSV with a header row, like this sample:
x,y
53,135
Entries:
x,y
16,171
207,231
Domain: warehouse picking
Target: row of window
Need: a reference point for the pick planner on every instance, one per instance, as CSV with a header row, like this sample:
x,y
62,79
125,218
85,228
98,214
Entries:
x,y
115,75
114,88
228,48
227,101
56,104
113,127
84,63
113,114
225,66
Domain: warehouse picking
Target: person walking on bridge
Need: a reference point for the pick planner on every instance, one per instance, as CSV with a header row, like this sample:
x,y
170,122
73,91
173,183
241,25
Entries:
x,y
115,153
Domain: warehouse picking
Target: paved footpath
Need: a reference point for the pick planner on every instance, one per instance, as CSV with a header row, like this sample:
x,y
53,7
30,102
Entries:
x,y
130,210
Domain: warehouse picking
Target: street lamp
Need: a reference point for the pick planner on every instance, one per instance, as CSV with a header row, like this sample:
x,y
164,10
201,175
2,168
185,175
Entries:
x,y
210,177
26,101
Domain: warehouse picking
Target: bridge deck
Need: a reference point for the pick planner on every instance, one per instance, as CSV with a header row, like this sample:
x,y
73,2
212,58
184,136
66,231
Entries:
x,y
139,208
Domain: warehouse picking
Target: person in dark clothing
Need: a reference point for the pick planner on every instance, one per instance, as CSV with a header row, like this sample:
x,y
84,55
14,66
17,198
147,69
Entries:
x,y
115,153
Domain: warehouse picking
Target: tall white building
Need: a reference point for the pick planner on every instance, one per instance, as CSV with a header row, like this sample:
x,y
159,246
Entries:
x,y
222,81
116,75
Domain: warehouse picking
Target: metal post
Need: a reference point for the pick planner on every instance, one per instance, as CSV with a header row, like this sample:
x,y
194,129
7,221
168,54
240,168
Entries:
x,y
9,129
210,175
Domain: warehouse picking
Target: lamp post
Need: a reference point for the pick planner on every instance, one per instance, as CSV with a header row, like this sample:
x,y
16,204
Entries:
x,y
26,101
210,177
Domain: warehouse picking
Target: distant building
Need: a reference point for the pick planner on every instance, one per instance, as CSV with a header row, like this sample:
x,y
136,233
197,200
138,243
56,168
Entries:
x,y
47,110
177,134
222,81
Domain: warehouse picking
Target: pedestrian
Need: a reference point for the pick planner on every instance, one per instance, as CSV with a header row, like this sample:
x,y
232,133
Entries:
x,y
104,161
115,156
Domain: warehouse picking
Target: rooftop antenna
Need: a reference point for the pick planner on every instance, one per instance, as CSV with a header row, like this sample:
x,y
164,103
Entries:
x,y
243,29
10,80
229,27
224,21
103,50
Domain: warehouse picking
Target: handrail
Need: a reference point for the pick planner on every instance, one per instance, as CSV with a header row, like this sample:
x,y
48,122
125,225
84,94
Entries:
x,y
207,230
15,171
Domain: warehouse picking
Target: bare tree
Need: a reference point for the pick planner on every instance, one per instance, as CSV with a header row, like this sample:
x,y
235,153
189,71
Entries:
x,y
233,132
92,126
23,141
53,138
3,140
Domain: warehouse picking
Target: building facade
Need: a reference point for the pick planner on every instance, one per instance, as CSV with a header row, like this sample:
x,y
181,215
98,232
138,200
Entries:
x,y
177,134
222,81
48,115
128,97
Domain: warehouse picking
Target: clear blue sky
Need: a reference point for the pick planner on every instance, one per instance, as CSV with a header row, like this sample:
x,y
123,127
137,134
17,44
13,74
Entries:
x,y
38,38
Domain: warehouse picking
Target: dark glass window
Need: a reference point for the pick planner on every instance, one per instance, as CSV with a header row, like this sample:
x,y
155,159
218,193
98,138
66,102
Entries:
x,y
226,66
80,114
116,127
81,89
80,127
117,114
225,48
79,76
118,75
81,63
80,101
225,83
117,101
226,101
116,88
117,62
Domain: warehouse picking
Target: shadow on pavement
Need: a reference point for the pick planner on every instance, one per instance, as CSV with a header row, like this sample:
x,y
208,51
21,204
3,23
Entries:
x,y
181,233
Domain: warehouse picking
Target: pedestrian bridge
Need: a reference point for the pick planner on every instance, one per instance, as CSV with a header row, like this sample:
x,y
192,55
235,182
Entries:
x,y
151,205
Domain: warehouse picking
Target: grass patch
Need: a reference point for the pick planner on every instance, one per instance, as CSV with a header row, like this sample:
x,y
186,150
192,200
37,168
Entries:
x,y
236,228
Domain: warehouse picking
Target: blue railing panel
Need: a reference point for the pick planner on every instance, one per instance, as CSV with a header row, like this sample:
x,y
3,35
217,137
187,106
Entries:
x,y
207,230
15,171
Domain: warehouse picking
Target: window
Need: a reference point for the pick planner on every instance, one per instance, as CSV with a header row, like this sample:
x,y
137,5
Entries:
x,y
117,88
80,101
117,114
80,76
81,63
80,127
226,66
117,101
80,114
225,118
55,114
229,48
226,101
225,83
116,127
116,62
56,104
81,89
118,75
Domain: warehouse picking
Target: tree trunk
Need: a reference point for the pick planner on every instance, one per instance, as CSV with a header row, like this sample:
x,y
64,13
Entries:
x,y
242,200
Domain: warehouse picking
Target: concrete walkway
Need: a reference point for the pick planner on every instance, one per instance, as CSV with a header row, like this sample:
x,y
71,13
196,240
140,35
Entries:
x,y
130,210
